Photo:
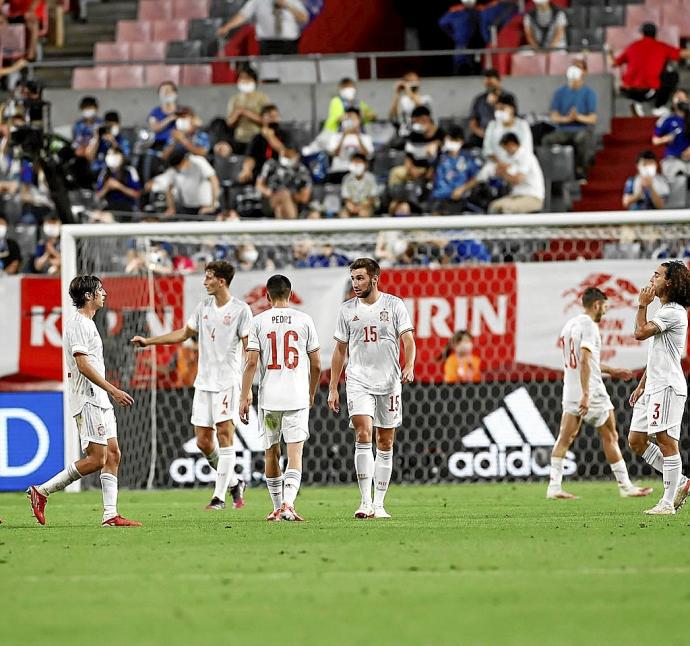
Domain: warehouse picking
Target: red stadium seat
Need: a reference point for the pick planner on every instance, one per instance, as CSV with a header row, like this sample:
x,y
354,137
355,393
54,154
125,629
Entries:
x,y
124,76
638,14
155,10
90,78
134,31
13,39
529,64
168,30
107,52
196,75
152,51
190,10
157,74
671,15
559,62
669,34
618,38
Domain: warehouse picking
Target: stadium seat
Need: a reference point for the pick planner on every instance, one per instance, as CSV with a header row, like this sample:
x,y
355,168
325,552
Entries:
x,y
675,5
157,74
89,78
578,17
169,30
225,9
606,16
618,38
156,10
183,50
196,75
586,37
227,168
204,30
299,133
637,15
112,52
189,10
670,16
13,39
596,62
669,34
124,76
134,31
149,51
559,62
529,65
557,162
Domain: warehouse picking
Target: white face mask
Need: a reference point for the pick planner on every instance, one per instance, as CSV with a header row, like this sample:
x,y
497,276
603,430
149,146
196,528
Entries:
x,y
357,168
541,3
348,93
407,104
89,113
114,130
399,246
573,73
168,98
465,347
347,124
287,162
418,127
3,230
501,116
246,86
183,124
249,255
113,161
51,230
452,146
647,170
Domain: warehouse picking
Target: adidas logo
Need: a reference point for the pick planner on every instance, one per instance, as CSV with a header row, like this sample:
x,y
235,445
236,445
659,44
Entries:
x,y
653,424
513,441
355,319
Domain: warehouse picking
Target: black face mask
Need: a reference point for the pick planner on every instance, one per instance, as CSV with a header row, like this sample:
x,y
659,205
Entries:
x,y
274,125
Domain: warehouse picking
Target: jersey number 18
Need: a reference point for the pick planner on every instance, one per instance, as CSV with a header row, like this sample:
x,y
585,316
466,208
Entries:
x,y
569,356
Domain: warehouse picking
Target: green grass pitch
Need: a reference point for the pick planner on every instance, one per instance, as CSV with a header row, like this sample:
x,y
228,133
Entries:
x,y
459,564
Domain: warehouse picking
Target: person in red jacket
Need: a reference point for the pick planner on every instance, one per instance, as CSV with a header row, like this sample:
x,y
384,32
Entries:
x,y
646,77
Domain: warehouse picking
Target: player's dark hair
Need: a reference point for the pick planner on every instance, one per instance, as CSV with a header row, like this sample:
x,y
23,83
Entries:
x,y
678,281
221,269
278,287
591,295
81,286
369,264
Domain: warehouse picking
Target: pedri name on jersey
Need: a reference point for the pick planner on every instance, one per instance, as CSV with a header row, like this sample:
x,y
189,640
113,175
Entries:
x,y
281,318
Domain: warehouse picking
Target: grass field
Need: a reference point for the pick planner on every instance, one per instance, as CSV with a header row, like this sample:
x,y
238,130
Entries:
x,y
463,564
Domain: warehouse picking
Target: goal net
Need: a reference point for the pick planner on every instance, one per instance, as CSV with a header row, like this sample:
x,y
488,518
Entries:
x,y
483,407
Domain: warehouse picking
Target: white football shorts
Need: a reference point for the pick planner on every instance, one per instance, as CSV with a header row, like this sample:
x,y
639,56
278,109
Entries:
x,y
96,425
659,411
208,408
384,410
291,425
597,413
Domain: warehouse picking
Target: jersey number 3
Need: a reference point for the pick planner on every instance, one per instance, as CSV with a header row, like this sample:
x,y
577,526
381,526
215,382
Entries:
x,y
290,353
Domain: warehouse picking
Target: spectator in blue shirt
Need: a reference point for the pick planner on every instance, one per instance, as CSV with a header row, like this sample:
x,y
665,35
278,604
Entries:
x,y
187,135
455,170
118,184
106,136
84,129
47,258
647,190
673,131
162,118
574,112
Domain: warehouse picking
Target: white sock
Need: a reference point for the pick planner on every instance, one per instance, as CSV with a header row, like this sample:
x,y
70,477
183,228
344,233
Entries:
x,y
364,468
213,459
654,458
226,467
620,471
291,482
275,488
383,467
60,481
109,488
556,473
672,473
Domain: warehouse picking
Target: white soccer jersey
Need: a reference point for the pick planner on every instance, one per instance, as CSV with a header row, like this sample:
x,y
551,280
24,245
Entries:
x,y
579,333
80,336
666,349
373,333
283,337
220,331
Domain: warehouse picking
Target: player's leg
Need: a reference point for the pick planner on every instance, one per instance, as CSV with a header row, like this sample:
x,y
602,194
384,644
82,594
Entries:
x,y
570,427
274,477
364,460
202,419
109,487
292,480
383,468
225,432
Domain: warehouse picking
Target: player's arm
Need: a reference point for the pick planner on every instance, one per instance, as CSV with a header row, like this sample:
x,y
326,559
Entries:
x,y
645,329
637,393
314,374
617,373
410,349
585,371
247,381
86,369
337,363
171,338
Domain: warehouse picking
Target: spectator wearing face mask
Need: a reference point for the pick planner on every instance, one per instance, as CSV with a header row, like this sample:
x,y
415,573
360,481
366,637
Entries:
x,y
505,121
407,186
359,190
673,132
285,184
647,190
483,106
545,26
47,258
85,128
574,111
244,110
187,135
461,365
344,144
192,186
246,256
118,183
10,253
107,136
269,143
426,137
347,98
406,97
162,118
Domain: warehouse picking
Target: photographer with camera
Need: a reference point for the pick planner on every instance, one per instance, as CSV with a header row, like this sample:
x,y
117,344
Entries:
x,y
106,138
406,97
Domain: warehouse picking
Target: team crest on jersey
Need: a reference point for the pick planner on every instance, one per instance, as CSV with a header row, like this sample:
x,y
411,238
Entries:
x,y
384,316
226,319
101,430
205,317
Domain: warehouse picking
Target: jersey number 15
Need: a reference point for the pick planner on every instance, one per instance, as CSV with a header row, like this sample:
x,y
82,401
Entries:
x,y
290,353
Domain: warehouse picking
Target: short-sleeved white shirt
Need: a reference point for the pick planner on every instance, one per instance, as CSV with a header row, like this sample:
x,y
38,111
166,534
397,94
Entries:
x,y
220,331
284,337
579,333
80,336
192,184
666,349
373,333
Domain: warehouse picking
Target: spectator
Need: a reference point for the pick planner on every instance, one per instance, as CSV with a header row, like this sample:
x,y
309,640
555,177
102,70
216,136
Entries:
x,y
426,137
47,259
462,23
85,128
244,110
267,144
246,256
359,190
646,77
118,183
673,132
519,168
407,186
162,118
187,135
407,97
347,98
107,136
10,254
574,111
505,121
192,185
461,366
391,246
29,13
545,26
647,190
184,364
344,144
455,171
285,185
278,24
483,105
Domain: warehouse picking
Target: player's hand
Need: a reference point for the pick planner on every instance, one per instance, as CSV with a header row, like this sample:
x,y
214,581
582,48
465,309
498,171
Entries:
x,y
138,341
121,397
408,375
646,295
334,400
244,410
584,405
636,394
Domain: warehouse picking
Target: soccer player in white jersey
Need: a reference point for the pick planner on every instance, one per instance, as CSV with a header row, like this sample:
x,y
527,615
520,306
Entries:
x,y
284,341
90,406
368,333
221,324
585,398
659,400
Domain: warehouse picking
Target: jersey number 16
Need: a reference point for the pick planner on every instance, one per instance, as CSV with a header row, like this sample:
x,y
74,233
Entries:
x,y
290,353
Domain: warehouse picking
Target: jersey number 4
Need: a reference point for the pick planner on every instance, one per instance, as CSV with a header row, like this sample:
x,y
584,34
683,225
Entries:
x,y
569,356
290,353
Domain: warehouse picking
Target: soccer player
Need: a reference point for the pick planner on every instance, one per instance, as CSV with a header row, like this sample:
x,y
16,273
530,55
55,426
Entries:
x,y
585,398
90,406
221,324
659,400
369,330
284,341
